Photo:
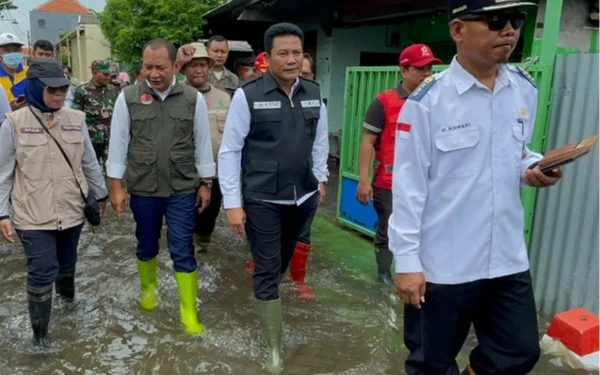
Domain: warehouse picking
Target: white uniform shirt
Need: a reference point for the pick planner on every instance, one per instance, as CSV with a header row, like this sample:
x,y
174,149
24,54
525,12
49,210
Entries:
x,y
237,127
120,136
459,160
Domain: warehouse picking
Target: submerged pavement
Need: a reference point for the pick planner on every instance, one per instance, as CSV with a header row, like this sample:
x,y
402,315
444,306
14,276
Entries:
x,y
352,327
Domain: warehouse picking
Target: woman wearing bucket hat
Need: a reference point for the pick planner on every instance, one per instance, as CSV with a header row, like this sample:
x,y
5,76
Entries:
x,y
47,163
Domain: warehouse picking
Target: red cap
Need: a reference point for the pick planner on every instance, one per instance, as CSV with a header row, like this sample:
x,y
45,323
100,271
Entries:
x,y
261,62
418,55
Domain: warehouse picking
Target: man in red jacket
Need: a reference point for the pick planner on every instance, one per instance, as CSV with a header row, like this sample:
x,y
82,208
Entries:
x,y
379,129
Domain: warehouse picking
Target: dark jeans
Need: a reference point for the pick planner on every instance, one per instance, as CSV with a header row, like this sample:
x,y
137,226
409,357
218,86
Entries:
x,y
503,314
273,231
179,212
206,221
48,252
382,201
305,232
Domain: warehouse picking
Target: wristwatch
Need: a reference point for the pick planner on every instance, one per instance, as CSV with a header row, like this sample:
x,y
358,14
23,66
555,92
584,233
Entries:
x,y
207,183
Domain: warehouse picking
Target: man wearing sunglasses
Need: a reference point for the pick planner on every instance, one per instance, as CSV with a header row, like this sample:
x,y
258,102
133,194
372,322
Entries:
x,y
456,230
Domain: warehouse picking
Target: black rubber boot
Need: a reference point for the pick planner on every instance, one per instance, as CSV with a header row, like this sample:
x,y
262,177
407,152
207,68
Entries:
x,y
384,259
40,310
65,283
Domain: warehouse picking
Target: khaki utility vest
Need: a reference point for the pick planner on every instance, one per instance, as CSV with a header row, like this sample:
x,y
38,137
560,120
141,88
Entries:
x,y
45,195
161,155
217,103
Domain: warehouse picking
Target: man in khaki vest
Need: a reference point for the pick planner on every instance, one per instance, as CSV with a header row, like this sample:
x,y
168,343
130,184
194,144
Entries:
x,y
160,143
217,101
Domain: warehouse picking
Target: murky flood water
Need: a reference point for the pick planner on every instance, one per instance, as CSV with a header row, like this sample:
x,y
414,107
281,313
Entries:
x,y
351,327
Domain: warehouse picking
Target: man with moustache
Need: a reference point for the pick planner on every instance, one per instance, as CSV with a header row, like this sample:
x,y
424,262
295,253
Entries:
x,y
217,103
276,139
456,230
379,129
160,143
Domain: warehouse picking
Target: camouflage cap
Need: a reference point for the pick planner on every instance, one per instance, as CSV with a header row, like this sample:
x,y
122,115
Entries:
x,y
102,66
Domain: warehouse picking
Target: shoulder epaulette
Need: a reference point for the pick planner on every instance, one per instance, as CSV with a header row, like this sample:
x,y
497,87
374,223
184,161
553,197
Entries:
x,y
422,89
523,73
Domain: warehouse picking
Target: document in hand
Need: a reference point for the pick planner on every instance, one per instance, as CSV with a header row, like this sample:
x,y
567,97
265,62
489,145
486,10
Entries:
x,y
567,154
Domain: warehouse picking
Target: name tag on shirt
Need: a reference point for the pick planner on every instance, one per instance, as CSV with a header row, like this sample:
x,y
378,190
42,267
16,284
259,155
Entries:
x,y
71,128
30,130
310,103
267,105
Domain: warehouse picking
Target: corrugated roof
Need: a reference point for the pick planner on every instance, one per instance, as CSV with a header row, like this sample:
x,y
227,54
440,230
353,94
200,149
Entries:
x,y
88,19
235,45
63,6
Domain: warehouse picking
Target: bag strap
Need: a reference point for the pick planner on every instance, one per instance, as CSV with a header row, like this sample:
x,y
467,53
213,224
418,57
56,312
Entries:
x,y
62,151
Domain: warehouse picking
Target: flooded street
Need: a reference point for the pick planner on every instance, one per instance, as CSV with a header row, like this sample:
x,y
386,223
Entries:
x,y
353,326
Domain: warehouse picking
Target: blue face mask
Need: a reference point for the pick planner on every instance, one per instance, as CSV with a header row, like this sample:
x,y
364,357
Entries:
x,y
13,59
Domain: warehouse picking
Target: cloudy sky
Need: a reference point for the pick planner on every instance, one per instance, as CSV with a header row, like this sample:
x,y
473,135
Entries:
x,y
21,15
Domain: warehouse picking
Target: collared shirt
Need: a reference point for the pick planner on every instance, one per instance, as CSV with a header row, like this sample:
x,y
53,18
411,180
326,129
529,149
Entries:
x,y
375,116
120,136
226,81
237,127
460,157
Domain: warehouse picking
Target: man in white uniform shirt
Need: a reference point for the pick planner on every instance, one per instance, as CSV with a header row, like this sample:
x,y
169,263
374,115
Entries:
x,y
456,230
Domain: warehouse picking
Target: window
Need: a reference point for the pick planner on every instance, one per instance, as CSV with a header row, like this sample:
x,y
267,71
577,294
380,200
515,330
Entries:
x,y
42,24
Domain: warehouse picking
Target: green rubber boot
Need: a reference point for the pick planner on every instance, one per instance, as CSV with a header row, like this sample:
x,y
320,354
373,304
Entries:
x,y
147,273
187,284
201,243
269,313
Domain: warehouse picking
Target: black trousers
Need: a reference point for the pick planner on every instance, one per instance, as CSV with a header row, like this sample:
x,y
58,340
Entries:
x,y
206,221
273,230
382,201
503,314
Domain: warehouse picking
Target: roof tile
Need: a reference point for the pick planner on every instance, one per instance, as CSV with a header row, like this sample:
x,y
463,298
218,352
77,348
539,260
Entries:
x,y
63,6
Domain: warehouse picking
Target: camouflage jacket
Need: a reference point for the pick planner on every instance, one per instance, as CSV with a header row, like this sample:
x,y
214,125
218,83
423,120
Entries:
x,y
97,103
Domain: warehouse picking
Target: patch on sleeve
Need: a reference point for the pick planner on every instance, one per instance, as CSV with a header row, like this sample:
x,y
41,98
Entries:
x,y
420,91
71,128
523,73
403,130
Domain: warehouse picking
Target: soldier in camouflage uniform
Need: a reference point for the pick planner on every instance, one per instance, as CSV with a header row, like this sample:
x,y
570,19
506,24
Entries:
x,y
97,99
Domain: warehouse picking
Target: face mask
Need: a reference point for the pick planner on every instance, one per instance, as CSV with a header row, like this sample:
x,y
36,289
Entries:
x,y
12,60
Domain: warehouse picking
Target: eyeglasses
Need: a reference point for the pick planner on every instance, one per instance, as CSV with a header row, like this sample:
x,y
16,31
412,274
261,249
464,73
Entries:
x,y
57,90
498,21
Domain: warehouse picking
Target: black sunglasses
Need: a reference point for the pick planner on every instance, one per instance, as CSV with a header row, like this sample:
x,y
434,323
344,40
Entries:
x,y
498,21
56,90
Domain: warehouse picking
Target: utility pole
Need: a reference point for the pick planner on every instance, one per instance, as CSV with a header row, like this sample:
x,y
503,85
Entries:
x,y
28,43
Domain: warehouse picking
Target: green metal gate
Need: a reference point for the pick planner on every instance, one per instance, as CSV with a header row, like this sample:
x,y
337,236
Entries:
x,y
362,85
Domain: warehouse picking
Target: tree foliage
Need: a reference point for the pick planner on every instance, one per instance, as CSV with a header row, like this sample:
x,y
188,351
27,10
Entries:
x,y
7,5
129,24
